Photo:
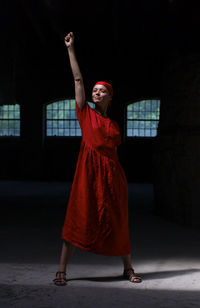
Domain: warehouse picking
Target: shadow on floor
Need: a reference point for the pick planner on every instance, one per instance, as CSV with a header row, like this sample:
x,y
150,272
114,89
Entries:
x,y
145,276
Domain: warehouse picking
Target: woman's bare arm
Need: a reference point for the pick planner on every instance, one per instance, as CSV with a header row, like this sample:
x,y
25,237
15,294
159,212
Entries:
x,y
78,79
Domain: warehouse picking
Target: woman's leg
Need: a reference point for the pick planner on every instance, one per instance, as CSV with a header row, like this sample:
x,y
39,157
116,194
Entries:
x,y
128,270
127,261
66,253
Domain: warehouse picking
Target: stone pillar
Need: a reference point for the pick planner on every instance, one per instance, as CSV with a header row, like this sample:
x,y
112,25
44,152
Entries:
x,y
177,155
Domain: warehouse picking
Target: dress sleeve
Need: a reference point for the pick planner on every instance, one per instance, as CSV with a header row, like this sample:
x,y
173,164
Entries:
x,y
81,114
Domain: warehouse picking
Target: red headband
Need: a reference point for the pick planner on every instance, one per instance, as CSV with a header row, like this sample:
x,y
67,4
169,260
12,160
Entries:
x,y
107,85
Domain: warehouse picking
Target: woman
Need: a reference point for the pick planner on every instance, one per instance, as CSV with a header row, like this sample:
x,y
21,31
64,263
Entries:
x,y
97,212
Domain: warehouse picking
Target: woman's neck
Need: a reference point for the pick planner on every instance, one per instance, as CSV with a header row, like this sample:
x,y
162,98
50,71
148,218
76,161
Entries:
x,y
100,111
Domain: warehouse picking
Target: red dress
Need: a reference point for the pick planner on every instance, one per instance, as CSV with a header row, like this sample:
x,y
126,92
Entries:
x,y
97,211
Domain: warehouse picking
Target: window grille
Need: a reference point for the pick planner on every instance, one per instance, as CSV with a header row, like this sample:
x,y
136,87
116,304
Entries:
x,y
143,118
61,119
10,120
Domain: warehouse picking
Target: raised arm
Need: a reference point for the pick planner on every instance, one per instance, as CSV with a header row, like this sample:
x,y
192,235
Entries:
x,y
78,79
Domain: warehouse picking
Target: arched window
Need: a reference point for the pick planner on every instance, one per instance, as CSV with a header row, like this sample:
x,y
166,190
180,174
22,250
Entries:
x,y
143,118
10,120
61,119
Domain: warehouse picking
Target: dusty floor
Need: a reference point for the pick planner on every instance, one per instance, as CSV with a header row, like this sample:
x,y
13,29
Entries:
x,y
166,255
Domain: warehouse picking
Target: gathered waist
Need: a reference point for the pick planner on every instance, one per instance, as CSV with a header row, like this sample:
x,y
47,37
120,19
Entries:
x,y
105,151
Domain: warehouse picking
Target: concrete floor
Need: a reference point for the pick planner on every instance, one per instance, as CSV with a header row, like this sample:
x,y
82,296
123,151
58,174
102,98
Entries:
x,y
166,255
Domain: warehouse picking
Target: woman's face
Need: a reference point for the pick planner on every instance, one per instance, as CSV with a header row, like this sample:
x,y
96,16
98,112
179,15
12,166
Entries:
x,y
100,95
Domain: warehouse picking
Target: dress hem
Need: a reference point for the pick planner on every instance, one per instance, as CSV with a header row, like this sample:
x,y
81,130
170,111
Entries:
x,y
95,251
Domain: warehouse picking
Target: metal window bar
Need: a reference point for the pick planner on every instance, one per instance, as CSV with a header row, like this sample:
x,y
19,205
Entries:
x,y
143,118
10,120
61,119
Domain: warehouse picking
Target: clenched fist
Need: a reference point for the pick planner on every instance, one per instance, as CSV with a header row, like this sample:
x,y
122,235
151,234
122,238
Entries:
x,y
69,39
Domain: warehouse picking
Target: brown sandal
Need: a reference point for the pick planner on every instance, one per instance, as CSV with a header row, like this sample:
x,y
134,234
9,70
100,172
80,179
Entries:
x,y
130,275
61,279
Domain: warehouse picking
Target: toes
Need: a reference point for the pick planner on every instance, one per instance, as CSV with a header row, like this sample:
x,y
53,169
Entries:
x,y
136,279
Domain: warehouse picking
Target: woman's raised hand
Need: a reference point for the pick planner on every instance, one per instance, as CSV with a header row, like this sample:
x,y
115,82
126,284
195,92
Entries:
x,y
69,39
78,79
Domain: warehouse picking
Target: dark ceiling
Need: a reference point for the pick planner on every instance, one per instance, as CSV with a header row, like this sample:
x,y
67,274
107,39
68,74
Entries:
x,y
125,42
